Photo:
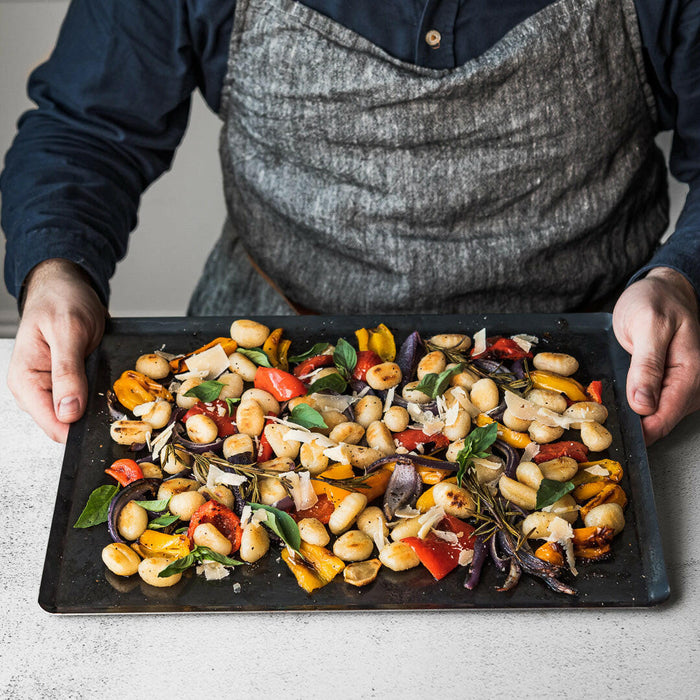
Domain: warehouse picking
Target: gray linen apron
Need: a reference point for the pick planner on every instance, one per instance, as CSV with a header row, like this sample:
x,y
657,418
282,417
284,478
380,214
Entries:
x,y
524,180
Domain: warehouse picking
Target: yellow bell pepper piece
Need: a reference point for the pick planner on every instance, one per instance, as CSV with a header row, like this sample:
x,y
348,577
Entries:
x,y
271,346
335,493
614,471
589,489
375,484
133,388
555,382
427,499
380,340
228,344
338,471
283,353
318,567
510,437
157,544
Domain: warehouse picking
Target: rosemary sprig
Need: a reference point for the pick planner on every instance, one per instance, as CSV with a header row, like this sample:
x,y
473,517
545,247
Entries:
x,y
490,510
354,483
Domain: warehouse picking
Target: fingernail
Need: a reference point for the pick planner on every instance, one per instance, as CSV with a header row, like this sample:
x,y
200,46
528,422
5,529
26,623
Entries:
x,y
68,407
645,398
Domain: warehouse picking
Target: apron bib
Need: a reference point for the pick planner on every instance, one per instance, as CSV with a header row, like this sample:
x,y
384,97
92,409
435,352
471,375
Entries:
x,y
525,180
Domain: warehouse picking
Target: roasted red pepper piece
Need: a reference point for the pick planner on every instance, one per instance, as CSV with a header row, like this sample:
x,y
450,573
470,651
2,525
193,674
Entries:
x,y
573,449
218,411
223,519
282,385
125,471
265,450
595,391
439,556
411,438
365,360
503,349
308,366
321,510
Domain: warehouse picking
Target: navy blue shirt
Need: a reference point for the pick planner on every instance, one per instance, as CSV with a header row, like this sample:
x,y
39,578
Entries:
x,y
113,103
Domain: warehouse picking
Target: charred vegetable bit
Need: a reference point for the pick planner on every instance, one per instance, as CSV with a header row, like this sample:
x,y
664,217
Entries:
x,y
322,455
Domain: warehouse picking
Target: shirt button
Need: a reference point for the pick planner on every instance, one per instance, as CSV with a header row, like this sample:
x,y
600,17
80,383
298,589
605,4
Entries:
x,y
432,38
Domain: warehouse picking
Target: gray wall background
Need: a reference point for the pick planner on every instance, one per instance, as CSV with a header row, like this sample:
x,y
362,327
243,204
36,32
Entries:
x,y
180,215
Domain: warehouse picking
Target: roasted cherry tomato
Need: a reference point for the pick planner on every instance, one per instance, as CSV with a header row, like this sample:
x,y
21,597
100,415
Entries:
x,y
125,471
282,385
439,556
218,411
411,438
365,360
223,519
313,363
553,450
321,510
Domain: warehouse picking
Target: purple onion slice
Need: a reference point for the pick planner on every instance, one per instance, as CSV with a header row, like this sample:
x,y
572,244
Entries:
x,y
140,490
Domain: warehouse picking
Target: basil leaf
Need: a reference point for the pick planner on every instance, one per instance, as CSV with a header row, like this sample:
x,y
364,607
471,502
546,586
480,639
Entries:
x,y
282,524
333,382
206,391
178,566
206,554
307,417
317,349
231,403
434,385
96,509
551,491
257,355
344,357
196,556
154,506
181,530
163,521
475,445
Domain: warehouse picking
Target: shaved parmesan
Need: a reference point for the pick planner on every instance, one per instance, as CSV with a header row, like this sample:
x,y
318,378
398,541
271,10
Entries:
x,y
570,558
143,408
447,536
212,570
463,400
465,557
331,402
479,342
431,517
245,515
192,375
213,361
218,476
451,415
339,453
527,410
525,341
597,470
302,491
167,355
560,531
161,441
406,512
490,463
389,398
531,449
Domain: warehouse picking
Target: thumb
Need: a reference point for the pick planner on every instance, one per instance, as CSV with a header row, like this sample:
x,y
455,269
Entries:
x,y
647,366
69,383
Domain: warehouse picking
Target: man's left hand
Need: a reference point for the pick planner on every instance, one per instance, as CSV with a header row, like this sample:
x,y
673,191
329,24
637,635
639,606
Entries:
x,y
656,321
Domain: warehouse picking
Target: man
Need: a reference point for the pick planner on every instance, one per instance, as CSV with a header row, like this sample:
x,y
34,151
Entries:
x,y
411,156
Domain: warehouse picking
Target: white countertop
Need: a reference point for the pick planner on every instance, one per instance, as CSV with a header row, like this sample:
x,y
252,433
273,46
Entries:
x,y
636,653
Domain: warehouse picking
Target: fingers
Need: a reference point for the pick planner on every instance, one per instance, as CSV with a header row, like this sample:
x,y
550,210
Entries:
x,y
29,380
680,393
69,383
645,378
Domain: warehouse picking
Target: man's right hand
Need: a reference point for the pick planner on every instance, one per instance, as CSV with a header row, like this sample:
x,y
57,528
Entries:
x,y
62,322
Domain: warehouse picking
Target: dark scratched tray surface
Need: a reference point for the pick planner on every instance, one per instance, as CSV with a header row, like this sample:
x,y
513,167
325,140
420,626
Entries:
x,y
76,581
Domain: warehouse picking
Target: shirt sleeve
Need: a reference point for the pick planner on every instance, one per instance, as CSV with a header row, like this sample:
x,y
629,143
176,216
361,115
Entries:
x,y
671,35
113,102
